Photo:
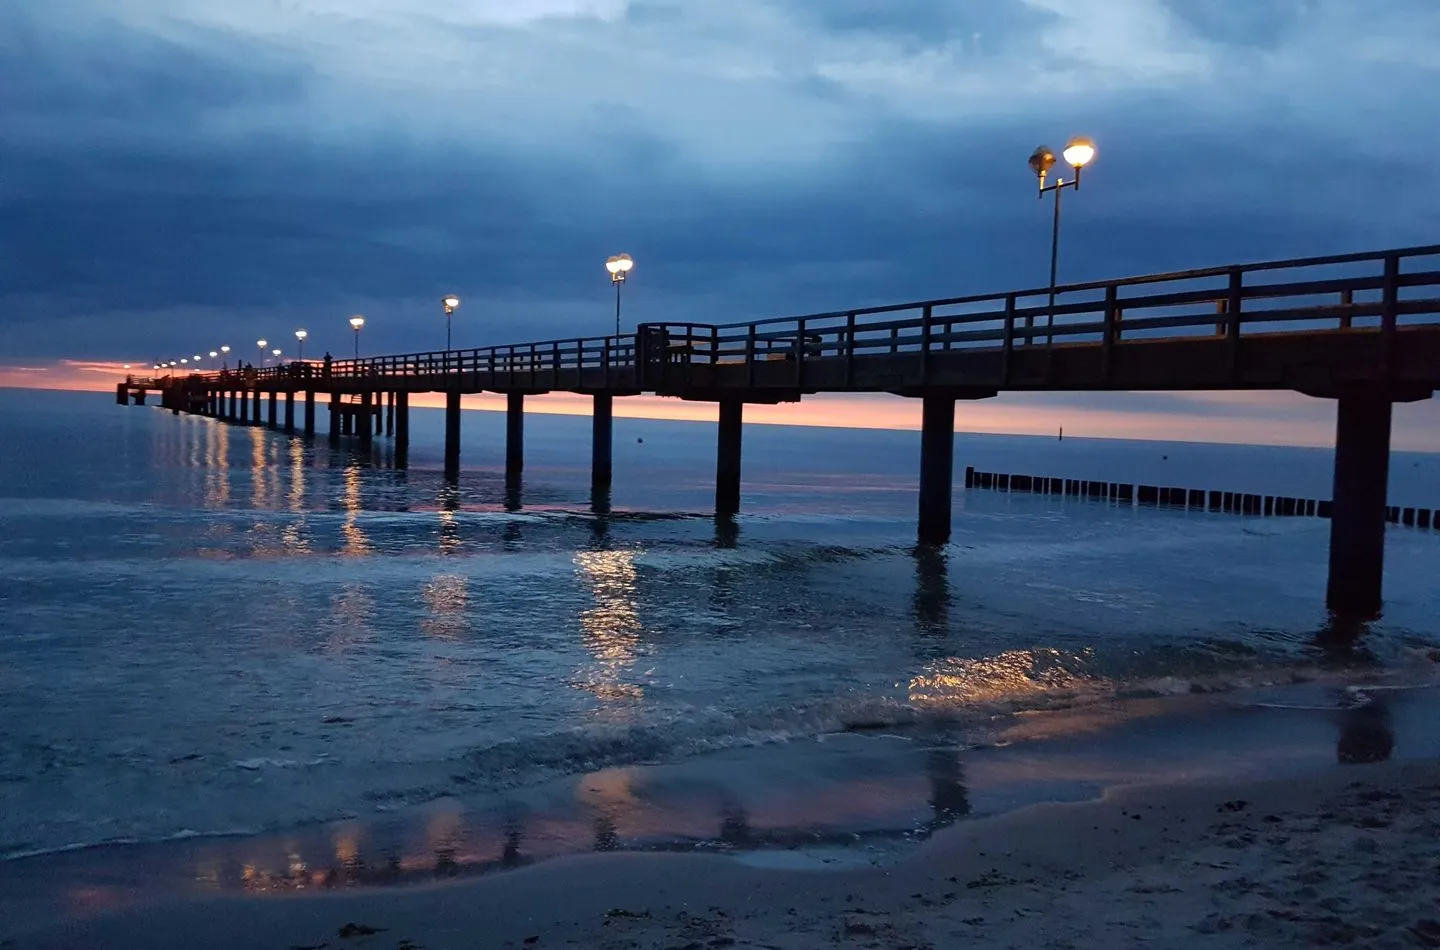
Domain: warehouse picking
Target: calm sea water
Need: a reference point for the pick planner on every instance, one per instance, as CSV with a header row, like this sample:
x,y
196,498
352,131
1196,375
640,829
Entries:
x,y
206,629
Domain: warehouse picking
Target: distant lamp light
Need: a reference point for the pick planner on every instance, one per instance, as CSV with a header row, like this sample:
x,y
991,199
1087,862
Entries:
x,y
225,349
357,323
1079,152
619,266
127,365
214,353
197,357
184,362
449,302
276,351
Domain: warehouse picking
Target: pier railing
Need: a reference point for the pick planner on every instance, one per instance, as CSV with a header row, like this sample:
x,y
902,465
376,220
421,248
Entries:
x,y
1380,292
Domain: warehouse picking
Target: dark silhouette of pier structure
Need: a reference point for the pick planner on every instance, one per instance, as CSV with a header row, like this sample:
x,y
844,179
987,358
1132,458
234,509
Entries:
x,y
1360,329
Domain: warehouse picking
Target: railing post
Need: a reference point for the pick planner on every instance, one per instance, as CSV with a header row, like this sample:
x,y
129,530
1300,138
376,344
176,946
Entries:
x,y
1389,311
1233,300
605,362
926,315
894,340
849,350
555,365
1009,345
1347,300
1112,328
750,356
799,353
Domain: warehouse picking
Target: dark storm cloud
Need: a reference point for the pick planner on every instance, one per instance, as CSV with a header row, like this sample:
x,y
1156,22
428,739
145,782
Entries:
x,y
164,172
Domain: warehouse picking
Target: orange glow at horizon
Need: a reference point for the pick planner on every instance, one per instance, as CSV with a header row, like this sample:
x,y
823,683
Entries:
x,y
1260,418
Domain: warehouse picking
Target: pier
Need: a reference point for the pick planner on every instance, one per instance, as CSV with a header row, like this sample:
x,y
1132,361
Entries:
x,y
1362,330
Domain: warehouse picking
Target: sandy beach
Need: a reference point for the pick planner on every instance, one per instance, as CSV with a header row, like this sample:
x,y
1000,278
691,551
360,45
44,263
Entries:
x,y
1344,857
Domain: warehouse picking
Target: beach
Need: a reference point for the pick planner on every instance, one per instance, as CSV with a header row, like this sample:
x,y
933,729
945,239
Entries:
x,y
1343,857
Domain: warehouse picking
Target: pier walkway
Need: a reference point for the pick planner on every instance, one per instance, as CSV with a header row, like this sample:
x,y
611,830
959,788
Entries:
x,y
1362,329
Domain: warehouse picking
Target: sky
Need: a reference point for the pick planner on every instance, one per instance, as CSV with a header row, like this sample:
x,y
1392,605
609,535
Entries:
x,y
179,174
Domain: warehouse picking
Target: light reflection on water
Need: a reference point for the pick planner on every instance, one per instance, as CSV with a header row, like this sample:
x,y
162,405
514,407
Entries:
x,y
212,595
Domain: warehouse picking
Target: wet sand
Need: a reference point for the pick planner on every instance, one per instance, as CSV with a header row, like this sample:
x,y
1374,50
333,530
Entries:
x,y
1345,856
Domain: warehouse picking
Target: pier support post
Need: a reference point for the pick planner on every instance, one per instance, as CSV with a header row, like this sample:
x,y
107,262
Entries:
x,y
377,414
1357,521
937,460
452,434
255,410
390,413
363,426
271,417
602,431
122,394
727,457
402,430
309,413
234,407
244,407
514,433
334,418
290,410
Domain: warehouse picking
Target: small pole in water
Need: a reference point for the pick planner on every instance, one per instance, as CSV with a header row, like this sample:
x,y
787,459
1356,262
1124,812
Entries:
x,y
1062,435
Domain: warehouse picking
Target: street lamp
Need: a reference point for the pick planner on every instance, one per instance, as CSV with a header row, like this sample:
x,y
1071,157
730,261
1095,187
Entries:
x,y
449,302
300,335
213,354
225,351
276,351
619,267
1079,152
357,323
262,344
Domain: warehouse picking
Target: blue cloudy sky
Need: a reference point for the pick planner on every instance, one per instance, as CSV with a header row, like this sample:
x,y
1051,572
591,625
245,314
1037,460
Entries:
x,y
177,173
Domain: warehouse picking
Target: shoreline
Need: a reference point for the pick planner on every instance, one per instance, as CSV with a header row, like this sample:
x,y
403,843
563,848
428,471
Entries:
x,y
867,803
1343,857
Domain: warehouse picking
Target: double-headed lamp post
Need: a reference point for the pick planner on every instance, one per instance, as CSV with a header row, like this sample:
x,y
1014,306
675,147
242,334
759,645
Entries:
x,y
1079,152
262,344
357,323
300,336
619,267
449,302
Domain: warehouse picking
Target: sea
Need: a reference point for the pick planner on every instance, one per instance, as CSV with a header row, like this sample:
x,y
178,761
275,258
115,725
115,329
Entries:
x,y
233,659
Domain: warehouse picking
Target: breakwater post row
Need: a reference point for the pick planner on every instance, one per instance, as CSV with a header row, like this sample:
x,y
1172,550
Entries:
x,y
1240,503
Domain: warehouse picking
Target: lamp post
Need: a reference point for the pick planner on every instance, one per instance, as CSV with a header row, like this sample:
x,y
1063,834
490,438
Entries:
x,y
449,302
357,323
213,354
276,352
300,336
225,356
197,360
262,344
619,267
1079,152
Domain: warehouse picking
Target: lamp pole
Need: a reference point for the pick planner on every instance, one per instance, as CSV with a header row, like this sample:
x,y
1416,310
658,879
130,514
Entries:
x,y
449,302
619,267
225,357
1078,153
300,336
262,344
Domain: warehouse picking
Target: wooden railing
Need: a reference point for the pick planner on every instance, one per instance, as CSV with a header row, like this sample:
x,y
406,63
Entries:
x,y
1382,291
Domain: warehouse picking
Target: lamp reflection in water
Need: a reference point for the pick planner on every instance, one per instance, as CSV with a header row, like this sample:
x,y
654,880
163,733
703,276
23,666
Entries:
x,y
610,629
356,543
449,524
294,537
447,596
217,469
1004,677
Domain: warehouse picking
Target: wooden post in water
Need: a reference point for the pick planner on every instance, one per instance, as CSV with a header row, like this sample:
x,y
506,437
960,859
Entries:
x,y
255,410
727,457
402,430
362,420
514,433
1357,523
602,429
937,467
289,410
334,418
309,413
452,434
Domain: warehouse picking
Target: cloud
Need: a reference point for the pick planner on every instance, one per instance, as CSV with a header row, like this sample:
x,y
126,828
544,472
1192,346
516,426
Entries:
x,y
181,173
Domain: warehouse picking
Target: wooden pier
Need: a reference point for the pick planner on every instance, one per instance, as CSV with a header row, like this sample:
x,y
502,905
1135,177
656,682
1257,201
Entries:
x,y
1361,329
